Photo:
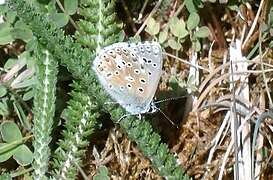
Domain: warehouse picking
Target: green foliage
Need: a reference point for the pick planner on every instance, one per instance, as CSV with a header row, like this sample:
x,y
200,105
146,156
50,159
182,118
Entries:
x,y
37,22
46,31
10,132
23,155
165,4
153,27
175,34
193,5
21,114
3,92
46,67
13,145
20,73
12,29
5,106
5,176
98,29
193,21
103,175
178,27
19,76
213,1
59,19
5,34
79,116
81,113
175,82
149,143
70,6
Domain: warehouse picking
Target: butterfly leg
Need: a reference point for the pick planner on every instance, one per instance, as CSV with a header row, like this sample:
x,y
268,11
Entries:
x,y
122,117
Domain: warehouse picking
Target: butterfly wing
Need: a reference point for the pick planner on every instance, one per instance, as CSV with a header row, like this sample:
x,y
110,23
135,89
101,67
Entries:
x,y
150,58
130,73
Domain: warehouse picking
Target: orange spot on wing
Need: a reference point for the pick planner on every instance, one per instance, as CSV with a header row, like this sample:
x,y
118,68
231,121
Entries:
x,y
113,55
100,68
107,59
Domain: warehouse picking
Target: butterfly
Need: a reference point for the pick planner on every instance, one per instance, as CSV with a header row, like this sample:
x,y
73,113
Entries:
x,y
130,73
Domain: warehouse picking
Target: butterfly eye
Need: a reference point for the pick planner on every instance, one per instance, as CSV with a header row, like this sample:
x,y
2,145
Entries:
x,y
154,65
150,73
112,53
129,64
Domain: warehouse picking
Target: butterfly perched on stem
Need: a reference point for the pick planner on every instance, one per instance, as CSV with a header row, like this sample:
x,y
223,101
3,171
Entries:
x,y
130,73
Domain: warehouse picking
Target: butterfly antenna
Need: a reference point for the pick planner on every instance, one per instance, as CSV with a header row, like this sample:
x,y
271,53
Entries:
x,y
170,99
166,117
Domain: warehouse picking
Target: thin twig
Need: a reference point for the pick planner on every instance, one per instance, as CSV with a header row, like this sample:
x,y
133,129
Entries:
x,y
150,15
129,17
253,24
262,68
70,19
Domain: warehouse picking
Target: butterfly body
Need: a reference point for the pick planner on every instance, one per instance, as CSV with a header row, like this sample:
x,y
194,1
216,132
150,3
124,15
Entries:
x,y
130,73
